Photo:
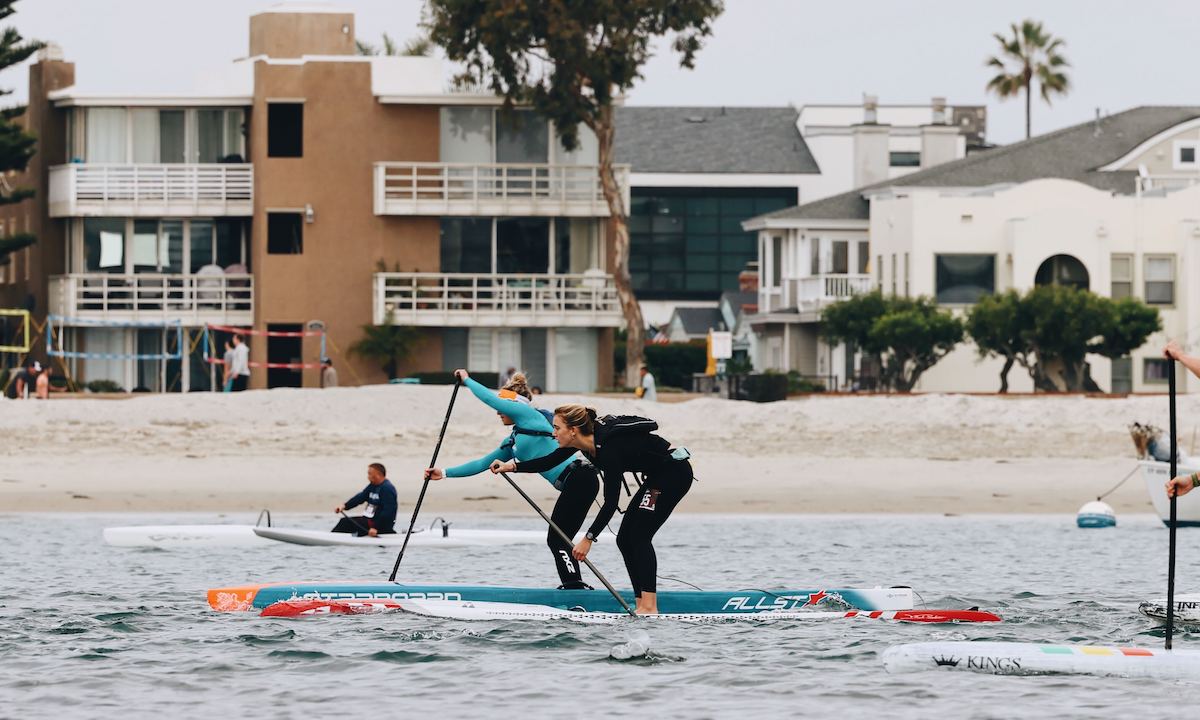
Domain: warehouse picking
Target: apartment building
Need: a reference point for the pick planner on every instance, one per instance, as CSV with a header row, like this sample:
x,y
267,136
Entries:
x,y
309,190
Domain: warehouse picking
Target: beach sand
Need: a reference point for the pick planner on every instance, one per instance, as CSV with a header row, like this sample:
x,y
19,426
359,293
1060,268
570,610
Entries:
x,y
307,450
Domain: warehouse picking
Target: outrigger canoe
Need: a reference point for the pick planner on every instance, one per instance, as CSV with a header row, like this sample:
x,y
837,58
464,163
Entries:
x,y
258,597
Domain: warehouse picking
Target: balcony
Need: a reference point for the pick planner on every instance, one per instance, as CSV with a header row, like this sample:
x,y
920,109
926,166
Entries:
x,y
805,297
513,190
1147,184
191,299
493,300
171,190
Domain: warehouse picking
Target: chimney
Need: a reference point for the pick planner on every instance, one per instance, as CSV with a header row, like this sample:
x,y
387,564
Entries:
x,y
871,155
939,111
870,109
51,51
286,31
748,278
941,141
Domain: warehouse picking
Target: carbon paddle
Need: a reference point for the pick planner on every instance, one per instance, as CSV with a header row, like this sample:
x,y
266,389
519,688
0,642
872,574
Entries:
x,y
1171,526
425,485
568,540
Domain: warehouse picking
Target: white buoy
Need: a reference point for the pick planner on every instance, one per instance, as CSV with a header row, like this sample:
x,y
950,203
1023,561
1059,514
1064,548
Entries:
x,y
1096,514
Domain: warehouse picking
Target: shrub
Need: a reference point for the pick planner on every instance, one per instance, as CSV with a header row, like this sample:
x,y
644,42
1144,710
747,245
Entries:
x,y
672,364
104,386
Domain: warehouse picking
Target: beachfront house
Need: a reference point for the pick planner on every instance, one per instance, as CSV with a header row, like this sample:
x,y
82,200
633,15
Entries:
x,y
1109,205
306,187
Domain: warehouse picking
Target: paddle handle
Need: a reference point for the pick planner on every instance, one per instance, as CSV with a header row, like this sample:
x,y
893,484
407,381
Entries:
x,y
1171,525
554,526
425,485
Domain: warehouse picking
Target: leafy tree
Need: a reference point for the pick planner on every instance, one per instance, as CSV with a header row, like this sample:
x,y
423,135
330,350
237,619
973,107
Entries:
x,y
1052,329
16,145
1030,52
387,344
914,336
420,46
996,325
569,60
906,336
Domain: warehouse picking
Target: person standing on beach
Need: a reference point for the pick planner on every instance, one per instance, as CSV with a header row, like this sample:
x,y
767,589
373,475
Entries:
x,y
647,390
239,367
329,378
617,445
379,516
227,365
532,437
1183,484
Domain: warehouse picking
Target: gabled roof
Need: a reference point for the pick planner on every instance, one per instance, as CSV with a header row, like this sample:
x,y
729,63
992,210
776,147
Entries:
x,y
738,300
1073,153
698,320
712,140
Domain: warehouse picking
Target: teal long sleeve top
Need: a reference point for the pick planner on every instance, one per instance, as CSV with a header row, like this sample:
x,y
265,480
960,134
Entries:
x,y
517,445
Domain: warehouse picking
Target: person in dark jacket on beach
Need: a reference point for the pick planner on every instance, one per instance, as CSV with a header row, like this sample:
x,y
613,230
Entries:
x,y
379,517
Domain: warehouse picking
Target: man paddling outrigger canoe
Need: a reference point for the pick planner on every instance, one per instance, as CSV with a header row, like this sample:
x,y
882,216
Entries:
x,y
532,437
379,518
616,445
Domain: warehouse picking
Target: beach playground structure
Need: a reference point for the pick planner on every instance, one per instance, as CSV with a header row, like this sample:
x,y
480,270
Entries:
x,y
285,350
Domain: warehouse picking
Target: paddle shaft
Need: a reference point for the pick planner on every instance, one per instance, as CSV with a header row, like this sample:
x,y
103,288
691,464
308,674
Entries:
x,y
425,485
568,541
1171,525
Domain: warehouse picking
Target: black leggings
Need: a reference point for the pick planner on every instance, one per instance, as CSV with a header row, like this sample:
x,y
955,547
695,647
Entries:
x,y
356,525
580,485
648,509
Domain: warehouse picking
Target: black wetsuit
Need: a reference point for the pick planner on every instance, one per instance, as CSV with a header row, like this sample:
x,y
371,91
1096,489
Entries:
x,y
665,482
577,485
382,498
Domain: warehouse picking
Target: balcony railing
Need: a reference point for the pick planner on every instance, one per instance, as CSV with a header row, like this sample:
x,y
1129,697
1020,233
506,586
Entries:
x,y
151,190
818,290
1167,183
495,300
493,190
192,299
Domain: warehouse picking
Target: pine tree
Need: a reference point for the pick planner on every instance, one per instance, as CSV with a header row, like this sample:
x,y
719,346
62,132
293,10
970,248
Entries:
x,y
16,145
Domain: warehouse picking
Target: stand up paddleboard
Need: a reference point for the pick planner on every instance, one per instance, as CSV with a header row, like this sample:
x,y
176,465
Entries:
x,y
1007,658
473,611
455,538
257,597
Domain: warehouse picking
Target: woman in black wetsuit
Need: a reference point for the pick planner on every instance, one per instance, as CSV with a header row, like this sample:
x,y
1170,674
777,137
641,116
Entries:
x,y
615,448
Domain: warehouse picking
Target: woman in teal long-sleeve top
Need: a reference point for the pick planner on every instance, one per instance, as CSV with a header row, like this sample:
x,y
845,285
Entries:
x,y
532,437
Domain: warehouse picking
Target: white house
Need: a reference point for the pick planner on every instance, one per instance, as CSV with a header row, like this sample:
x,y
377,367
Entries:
x,y
1112,205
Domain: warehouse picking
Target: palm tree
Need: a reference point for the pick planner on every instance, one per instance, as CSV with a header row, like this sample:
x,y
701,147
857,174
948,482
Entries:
x,y
1031,52
387,344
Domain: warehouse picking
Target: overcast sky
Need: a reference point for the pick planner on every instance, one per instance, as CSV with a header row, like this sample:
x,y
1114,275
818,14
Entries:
x,y
763,52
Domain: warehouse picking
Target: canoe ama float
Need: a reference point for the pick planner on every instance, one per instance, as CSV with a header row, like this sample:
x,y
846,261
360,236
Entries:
x,y
1010,658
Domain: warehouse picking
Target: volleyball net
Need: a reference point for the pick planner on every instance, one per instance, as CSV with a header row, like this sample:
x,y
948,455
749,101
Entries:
x,y
212,334
60,343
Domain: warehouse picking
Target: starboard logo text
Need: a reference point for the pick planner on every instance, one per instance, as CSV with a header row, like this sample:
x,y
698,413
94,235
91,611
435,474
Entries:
x,y
317,595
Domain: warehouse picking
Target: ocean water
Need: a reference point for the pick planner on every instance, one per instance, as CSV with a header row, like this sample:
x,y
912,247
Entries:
x,y
88,630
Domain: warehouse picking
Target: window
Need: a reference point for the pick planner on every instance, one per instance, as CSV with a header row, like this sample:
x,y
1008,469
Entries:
x,y
523,245
1122,375
1184,157
1154,370
904,159
895,272
879,271
906,294
522,137
1122,278
689,243
963,279
841,257
776,261
864,257
285,234
1160,279
285,130
466,136
157,135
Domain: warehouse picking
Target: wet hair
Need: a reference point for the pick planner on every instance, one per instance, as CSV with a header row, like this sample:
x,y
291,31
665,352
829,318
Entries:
x,y
379,468
518,384
577,416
